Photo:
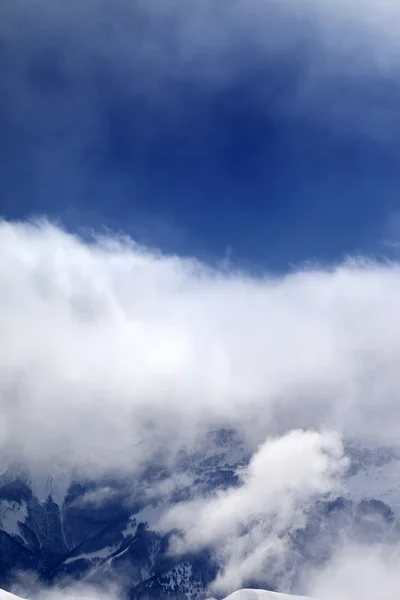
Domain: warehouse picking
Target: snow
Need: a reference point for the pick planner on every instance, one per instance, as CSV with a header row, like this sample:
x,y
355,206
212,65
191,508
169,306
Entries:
x,y
228,453
245,594
123,551
7,596
181,577
248,594
100,554
381,482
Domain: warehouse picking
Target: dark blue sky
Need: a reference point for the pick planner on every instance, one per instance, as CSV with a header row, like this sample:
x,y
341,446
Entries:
x,y
194,163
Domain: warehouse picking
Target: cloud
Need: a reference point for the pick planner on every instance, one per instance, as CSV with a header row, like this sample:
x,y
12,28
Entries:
x,y
114,355
248,526
79,591
97,497
112,352
292,468
359,573
68,590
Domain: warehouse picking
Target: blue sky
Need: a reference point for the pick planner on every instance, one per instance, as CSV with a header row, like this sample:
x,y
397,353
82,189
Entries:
x,y
231,129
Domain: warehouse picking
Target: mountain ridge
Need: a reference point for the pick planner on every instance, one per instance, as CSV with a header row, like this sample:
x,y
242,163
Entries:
x,y
79,540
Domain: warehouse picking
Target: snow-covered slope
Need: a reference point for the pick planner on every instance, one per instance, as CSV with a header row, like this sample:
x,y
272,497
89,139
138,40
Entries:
x,y
245,594
375,474
7,596
249,594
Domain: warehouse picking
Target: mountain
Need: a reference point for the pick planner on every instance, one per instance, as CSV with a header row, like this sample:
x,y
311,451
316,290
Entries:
x,y
245,594
60,527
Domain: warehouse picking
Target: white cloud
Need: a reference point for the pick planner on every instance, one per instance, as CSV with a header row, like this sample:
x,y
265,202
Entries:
x,y
97,497
74,591
79,591
111,352
359,573
281,474
248,525
208,44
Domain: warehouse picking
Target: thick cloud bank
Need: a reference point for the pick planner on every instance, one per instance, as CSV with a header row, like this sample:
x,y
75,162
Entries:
x,y
111,351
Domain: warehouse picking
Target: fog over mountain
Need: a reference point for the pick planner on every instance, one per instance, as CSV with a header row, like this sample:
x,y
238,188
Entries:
x,y
118,364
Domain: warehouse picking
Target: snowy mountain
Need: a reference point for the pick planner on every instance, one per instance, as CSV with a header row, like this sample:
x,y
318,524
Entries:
x,y
63,526
60,526
245,594
7,596
374,473
254,594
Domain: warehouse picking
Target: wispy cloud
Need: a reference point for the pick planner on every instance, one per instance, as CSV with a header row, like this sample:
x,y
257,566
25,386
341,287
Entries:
x,y
97,497
336,48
